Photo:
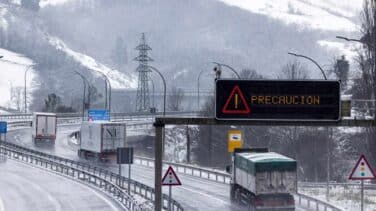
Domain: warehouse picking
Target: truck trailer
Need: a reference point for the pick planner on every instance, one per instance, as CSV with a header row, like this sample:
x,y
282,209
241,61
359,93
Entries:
x,y
263,180
100,140
44,128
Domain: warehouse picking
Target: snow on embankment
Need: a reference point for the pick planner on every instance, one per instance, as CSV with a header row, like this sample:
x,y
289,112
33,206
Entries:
x,y
45,3
117,79
327,15
12,71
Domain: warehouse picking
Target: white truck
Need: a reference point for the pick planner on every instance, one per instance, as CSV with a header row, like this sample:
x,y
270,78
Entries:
x,y
101,139
263,180
44,128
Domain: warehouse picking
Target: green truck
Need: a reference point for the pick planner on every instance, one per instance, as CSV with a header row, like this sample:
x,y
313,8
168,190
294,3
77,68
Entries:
x,y
263,180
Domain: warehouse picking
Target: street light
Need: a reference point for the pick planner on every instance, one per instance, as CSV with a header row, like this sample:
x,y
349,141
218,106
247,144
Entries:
x,y
85,81
107,81
25,97
164,87
225,65
310,59
152,84
331,131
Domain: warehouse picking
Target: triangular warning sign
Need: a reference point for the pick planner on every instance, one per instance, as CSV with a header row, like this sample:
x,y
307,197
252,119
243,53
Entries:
x,y
362,170
236,103
170,177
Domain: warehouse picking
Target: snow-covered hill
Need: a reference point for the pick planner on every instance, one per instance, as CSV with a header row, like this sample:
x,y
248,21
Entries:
x,y
331,15
12,70
117,79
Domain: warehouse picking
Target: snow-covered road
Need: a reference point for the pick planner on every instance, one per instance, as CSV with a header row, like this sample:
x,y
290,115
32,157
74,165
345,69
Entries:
x,y
194,194
23,187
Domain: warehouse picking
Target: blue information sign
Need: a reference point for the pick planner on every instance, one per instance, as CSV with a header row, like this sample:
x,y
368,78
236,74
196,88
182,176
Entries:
x,y
98,114
3,127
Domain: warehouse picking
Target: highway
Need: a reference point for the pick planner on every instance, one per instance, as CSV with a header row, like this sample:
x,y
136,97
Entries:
x,y
23,187
194,194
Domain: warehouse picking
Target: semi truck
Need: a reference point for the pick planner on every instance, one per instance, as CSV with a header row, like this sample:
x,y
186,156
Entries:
x,y
100,140
44,128
263,180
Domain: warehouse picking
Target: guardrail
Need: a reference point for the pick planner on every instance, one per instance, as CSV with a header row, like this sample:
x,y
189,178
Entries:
x,y
335,184
76,173
209,174
122,182
114,116
314,204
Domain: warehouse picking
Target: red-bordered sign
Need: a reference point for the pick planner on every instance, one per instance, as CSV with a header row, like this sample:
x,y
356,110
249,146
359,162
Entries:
x,y
170,178
362,170
236,93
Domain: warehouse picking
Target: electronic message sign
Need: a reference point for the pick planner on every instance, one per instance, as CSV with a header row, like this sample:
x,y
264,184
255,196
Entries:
x,y
277,100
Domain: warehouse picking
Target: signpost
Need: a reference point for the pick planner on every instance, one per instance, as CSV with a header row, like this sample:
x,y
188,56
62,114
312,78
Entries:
x,y
171,179
98,115
362,171
3,130
125,156
235,140
301,100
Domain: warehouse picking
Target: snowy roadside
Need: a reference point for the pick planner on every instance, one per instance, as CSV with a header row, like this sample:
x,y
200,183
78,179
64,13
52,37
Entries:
x,y
347,198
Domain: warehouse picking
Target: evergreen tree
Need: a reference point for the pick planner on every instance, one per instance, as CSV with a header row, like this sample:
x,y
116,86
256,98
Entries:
x,y
31,4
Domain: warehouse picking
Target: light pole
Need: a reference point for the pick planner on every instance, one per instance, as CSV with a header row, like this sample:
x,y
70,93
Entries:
x,y
164,87
225,65
107,81
331,131
85,81
152,84
158,173
370,45
25,91
310,59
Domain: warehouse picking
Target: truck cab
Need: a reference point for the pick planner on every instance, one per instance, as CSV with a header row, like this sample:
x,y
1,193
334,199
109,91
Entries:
x,y
263,180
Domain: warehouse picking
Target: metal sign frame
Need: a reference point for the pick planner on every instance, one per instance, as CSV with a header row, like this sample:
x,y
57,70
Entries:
x,y
278,119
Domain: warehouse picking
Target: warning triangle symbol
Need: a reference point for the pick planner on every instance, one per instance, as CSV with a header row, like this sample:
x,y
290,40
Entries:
x,y
170,177
236,103
362,170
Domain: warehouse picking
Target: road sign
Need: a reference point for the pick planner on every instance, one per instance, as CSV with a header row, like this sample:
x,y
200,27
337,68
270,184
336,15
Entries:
x,y
362,170
124,155
170,178
277,100
98,114
3,127
234,140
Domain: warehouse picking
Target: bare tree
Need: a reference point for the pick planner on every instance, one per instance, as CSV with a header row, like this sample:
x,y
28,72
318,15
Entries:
x,y
249,74
365,85
293,70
